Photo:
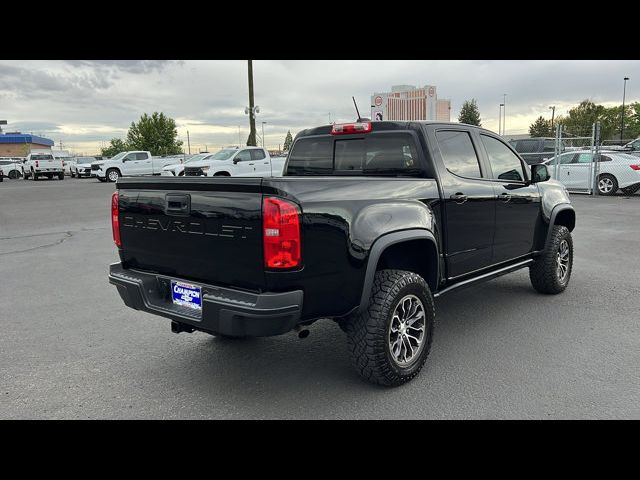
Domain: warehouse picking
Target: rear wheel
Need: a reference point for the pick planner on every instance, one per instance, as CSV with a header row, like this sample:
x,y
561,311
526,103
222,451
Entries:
x,y
607,184
391,339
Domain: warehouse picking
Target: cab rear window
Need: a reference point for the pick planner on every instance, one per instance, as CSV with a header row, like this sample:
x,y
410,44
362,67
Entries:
x,y
385,153
41,157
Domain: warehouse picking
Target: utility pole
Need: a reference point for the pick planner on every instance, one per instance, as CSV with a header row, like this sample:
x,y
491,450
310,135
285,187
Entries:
x,y
252,114
553,114
624,93
263,134
504,113
500,120
188,142
239,137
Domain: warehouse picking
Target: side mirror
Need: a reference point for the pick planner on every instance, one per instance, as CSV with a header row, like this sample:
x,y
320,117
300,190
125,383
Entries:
x,y
235,161
539,173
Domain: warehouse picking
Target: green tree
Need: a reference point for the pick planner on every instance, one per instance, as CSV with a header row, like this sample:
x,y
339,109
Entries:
x,y
469,113
580,120
156,133
288,140
116,146
540,128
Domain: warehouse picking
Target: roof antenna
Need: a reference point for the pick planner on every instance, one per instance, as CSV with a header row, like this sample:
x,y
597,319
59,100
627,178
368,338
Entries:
x,y
357,111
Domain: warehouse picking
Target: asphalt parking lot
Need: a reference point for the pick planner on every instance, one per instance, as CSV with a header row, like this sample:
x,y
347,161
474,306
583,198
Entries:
x,y
69,348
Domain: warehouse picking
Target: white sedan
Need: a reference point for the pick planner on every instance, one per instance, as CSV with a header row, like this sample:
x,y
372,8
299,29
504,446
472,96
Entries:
x,y
11,167
177,169
616,171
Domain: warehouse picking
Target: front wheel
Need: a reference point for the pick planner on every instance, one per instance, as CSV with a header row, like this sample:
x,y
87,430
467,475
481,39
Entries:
x,y
113,175
607,184
552,269
34,176
391,339
14,174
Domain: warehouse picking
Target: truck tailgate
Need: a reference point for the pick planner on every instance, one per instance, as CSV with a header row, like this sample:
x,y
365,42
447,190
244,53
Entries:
x,y
201,229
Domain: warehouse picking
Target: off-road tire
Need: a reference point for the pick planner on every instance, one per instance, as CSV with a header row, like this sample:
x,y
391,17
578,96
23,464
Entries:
x,y
614,189
543,272
367,333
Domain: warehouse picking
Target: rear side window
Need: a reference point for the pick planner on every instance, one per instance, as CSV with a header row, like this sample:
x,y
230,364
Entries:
x,y
549,146
604,158
527,146
141,156
257,154
458,154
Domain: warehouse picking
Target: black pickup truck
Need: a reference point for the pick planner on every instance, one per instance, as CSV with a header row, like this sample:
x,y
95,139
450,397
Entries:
x,y
370,222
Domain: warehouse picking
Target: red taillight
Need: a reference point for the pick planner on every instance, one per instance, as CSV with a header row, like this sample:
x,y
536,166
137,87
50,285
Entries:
x,y
348,128
635,167
281,233
115,222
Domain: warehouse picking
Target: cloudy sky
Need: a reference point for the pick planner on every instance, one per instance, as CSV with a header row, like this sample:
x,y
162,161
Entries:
x,y
86,103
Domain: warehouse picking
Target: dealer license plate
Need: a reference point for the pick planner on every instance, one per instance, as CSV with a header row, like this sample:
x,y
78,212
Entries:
x,y
186,295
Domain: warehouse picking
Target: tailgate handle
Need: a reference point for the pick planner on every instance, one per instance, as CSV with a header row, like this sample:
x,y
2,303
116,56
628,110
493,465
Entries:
x,y
177,204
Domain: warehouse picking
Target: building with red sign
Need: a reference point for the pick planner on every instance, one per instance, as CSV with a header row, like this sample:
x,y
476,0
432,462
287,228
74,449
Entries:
x,y
407,102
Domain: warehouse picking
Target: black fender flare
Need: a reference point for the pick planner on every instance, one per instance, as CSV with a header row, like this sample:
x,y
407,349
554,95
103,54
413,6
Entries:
x,y
379,247
552,219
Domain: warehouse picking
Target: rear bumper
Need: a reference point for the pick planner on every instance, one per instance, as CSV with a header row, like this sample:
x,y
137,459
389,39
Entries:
x,y
224,310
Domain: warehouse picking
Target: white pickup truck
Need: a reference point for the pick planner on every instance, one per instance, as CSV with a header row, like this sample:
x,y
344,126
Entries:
x,y
129,164
237,162
42,163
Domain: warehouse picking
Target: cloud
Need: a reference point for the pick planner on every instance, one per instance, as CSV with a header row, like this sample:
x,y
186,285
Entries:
x,y
95,100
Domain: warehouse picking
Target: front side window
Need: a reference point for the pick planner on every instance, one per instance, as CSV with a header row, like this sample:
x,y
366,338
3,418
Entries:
x,y
583,158
505,165
130,157
458,154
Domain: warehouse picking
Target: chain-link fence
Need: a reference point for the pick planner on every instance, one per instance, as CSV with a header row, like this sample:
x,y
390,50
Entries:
x,y
584,165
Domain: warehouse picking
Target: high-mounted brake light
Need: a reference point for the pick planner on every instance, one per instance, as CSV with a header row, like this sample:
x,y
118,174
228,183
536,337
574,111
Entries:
x,y
349,128
115,222
636,167
280,233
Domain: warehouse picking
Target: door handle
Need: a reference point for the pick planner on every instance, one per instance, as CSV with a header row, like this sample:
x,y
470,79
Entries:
x,y
252,164
505,197
458,197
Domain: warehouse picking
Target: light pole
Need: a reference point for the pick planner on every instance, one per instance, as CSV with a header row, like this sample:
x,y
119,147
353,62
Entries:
x,y
553,114
263,134
500,120
504,113
624,92
188,142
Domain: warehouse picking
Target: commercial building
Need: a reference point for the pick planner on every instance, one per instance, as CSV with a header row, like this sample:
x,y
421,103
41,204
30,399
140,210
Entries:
x,y
407,102
20,144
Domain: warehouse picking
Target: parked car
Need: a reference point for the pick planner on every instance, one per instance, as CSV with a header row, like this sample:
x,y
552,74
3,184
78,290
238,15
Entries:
x,y
82,166
42,164
616,170
11,167
534,150
236,162
132,163
177,169
370,222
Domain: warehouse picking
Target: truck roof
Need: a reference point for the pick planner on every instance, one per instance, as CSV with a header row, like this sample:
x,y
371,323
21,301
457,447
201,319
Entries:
x,y
389,125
